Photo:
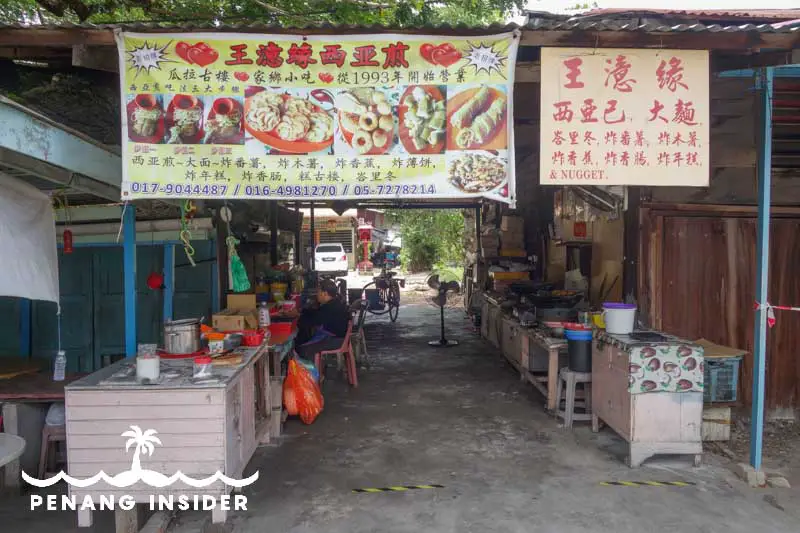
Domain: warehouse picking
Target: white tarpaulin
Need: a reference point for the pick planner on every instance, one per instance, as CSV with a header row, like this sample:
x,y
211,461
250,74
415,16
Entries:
x,y
28,258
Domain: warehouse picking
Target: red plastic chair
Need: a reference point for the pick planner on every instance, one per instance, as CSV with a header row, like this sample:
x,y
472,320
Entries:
x,y
347,351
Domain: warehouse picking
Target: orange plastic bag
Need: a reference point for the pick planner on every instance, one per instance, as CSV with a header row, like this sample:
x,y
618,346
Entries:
x,y
301,393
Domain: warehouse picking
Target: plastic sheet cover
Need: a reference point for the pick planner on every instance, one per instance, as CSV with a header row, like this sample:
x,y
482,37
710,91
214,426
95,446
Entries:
x,y
28,257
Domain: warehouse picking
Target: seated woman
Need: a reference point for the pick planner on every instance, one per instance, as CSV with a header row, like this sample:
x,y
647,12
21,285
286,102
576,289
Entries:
x,y
325,327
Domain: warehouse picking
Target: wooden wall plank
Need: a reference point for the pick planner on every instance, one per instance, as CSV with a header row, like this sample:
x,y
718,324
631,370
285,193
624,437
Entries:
x,y
157,413
117,427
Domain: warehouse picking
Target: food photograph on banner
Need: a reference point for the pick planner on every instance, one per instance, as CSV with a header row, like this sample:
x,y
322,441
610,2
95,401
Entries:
x,y
291,117
625,117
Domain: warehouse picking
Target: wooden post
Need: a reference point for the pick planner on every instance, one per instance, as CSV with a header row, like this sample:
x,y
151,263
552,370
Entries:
x,y
129,277
313,240
631,245
273,234
223,283
762,272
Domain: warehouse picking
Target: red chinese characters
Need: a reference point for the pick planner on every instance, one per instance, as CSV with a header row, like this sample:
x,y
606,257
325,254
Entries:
x,y
670,74
269,55
563,112
608,114
684,113
573,66
587,111
301,55
365,56
333,55
239,55
617,72
395,55
655,112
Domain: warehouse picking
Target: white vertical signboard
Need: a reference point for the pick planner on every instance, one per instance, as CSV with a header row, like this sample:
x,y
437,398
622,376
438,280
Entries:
x,y
624,117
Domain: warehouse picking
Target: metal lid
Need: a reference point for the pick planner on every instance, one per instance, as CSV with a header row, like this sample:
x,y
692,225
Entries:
x,y
184,322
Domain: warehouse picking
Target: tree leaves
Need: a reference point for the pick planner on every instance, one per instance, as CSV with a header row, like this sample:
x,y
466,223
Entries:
x,y
400,13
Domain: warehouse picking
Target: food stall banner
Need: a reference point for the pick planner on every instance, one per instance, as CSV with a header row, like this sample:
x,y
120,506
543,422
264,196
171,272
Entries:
x,y
624,117
226,115
28,261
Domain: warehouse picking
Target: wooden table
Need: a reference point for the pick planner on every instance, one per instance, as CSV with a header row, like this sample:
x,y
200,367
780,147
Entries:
x,y
541,346
25,398
203,426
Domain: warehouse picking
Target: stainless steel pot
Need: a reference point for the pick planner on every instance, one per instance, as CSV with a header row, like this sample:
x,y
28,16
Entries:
x,y
182,336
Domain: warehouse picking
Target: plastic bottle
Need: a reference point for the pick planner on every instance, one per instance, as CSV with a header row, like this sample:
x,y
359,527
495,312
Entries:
x,y
263,315
60,366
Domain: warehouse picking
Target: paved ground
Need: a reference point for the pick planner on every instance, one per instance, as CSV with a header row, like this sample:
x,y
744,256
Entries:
x,y
461,418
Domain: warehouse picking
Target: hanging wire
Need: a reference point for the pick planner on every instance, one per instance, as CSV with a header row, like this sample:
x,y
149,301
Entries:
x,y
122,220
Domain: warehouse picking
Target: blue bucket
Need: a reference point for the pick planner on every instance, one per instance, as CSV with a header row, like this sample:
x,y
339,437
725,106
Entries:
x,y
578,335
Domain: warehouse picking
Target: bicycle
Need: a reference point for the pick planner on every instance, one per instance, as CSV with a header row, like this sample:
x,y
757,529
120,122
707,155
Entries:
x,y
388,288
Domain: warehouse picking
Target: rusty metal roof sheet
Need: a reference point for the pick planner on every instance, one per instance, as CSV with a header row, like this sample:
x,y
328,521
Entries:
x,y
704,14
635,24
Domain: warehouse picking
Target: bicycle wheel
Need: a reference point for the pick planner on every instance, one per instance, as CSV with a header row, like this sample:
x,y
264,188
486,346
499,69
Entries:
x,y
394,302
370,310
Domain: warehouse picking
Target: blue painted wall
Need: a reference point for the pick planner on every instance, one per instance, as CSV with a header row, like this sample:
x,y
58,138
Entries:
x,y
92,307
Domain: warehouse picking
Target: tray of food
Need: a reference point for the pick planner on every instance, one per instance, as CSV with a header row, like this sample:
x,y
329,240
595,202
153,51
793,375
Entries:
x,y
288,123
477,119
366,120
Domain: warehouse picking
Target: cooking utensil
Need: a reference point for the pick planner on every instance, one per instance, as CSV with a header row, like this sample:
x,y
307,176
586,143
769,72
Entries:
x,y
182,336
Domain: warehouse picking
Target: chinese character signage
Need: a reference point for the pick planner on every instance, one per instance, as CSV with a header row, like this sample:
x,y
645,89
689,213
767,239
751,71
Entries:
x,y
216,115
624,117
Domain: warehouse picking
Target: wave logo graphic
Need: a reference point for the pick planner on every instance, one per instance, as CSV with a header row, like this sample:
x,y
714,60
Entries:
x,y
144,443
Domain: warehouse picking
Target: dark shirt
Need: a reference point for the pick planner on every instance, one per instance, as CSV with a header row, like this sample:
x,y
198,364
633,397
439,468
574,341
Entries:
x,y
333,317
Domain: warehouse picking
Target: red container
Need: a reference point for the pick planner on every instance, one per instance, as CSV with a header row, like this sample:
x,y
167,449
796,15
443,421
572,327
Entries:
x,y
252,337
277,328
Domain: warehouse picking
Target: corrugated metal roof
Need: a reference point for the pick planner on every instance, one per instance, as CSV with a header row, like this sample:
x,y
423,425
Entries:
x,y
263,27
633,24
753,14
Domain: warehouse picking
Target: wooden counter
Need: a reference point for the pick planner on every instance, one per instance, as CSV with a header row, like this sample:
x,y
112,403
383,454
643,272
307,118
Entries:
x,y
531,351
203,426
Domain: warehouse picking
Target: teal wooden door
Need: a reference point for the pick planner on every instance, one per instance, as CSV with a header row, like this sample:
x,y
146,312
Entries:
x,y
92,304
75,286
9,326
193,284
109,301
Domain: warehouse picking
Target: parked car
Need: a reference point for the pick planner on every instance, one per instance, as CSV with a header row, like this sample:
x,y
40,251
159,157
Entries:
x,y
331,258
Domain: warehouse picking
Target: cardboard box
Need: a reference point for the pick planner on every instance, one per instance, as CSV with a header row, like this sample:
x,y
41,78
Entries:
x,y
512,252
512,223
240,314
512,239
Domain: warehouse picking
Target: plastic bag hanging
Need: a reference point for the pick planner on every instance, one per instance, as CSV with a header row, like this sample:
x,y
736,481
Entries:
x,y
238,273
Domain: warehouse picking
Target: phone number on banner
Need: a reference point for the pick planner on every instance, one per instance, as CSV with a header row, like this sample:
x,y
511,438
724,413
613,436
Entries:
x,y
267,191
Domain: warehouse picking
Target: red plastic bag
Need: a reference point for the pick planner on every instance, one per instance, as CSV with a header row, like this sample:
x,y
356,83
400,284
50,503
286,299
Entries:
x,y
301,390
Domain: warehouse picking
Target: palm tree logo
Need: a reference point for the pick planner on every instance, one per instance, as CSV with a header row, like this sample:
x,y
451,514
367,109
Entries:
x,y
145,443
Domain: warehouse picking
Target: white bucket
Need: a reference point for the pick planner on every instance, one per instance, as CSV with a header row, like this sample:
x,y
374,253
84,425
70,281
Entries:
x,y
619,321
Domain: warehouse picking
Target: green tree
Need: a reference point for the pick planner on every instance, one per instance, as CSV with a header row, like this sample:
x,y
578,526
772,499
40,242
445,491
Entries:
x,y
430,237
282,12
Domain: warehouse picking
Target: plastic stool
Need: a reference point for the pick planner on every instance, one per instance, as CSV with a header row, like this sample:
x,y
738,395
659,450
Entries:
x,y
571,379
50,436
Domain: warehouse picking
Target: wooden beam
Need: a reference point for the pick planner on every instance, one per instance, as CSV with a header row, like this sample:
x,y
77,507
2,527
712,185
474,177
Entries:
x,y
528,72
721,63
96,57
58,175
739,41
34,53
27,132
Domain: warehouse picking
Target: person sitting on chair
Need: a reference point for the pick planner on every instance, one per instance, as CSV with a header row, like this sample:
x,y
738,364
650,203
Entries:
x,y
325,327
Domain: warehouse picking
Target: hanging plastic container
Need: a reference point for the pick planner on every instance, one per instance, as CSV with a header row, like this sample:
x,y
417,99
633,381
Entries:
x,y
619,318
579,348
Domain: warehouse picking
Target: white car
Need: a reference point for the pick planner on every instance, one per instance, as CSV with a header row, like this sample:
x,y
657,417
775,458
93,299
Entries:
x,y
331,258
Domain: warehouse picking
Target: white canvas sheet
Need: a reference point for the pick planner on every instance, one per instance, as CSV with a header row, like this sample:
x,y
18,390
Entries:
x,y
28,256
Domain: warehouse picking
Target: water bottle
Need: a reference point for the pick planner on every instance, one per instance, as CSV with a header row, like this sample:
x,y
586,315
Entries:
x,y
60,367
263,315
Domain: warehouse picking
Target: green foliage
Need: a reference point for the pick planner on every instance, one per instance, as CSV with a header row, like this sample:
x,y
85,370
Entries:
x,y
404,13
430,236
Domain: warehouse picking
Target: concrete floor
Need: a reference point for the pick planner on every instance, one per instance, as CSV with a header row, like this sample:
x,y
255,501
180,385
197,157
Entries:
x,y
461,418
